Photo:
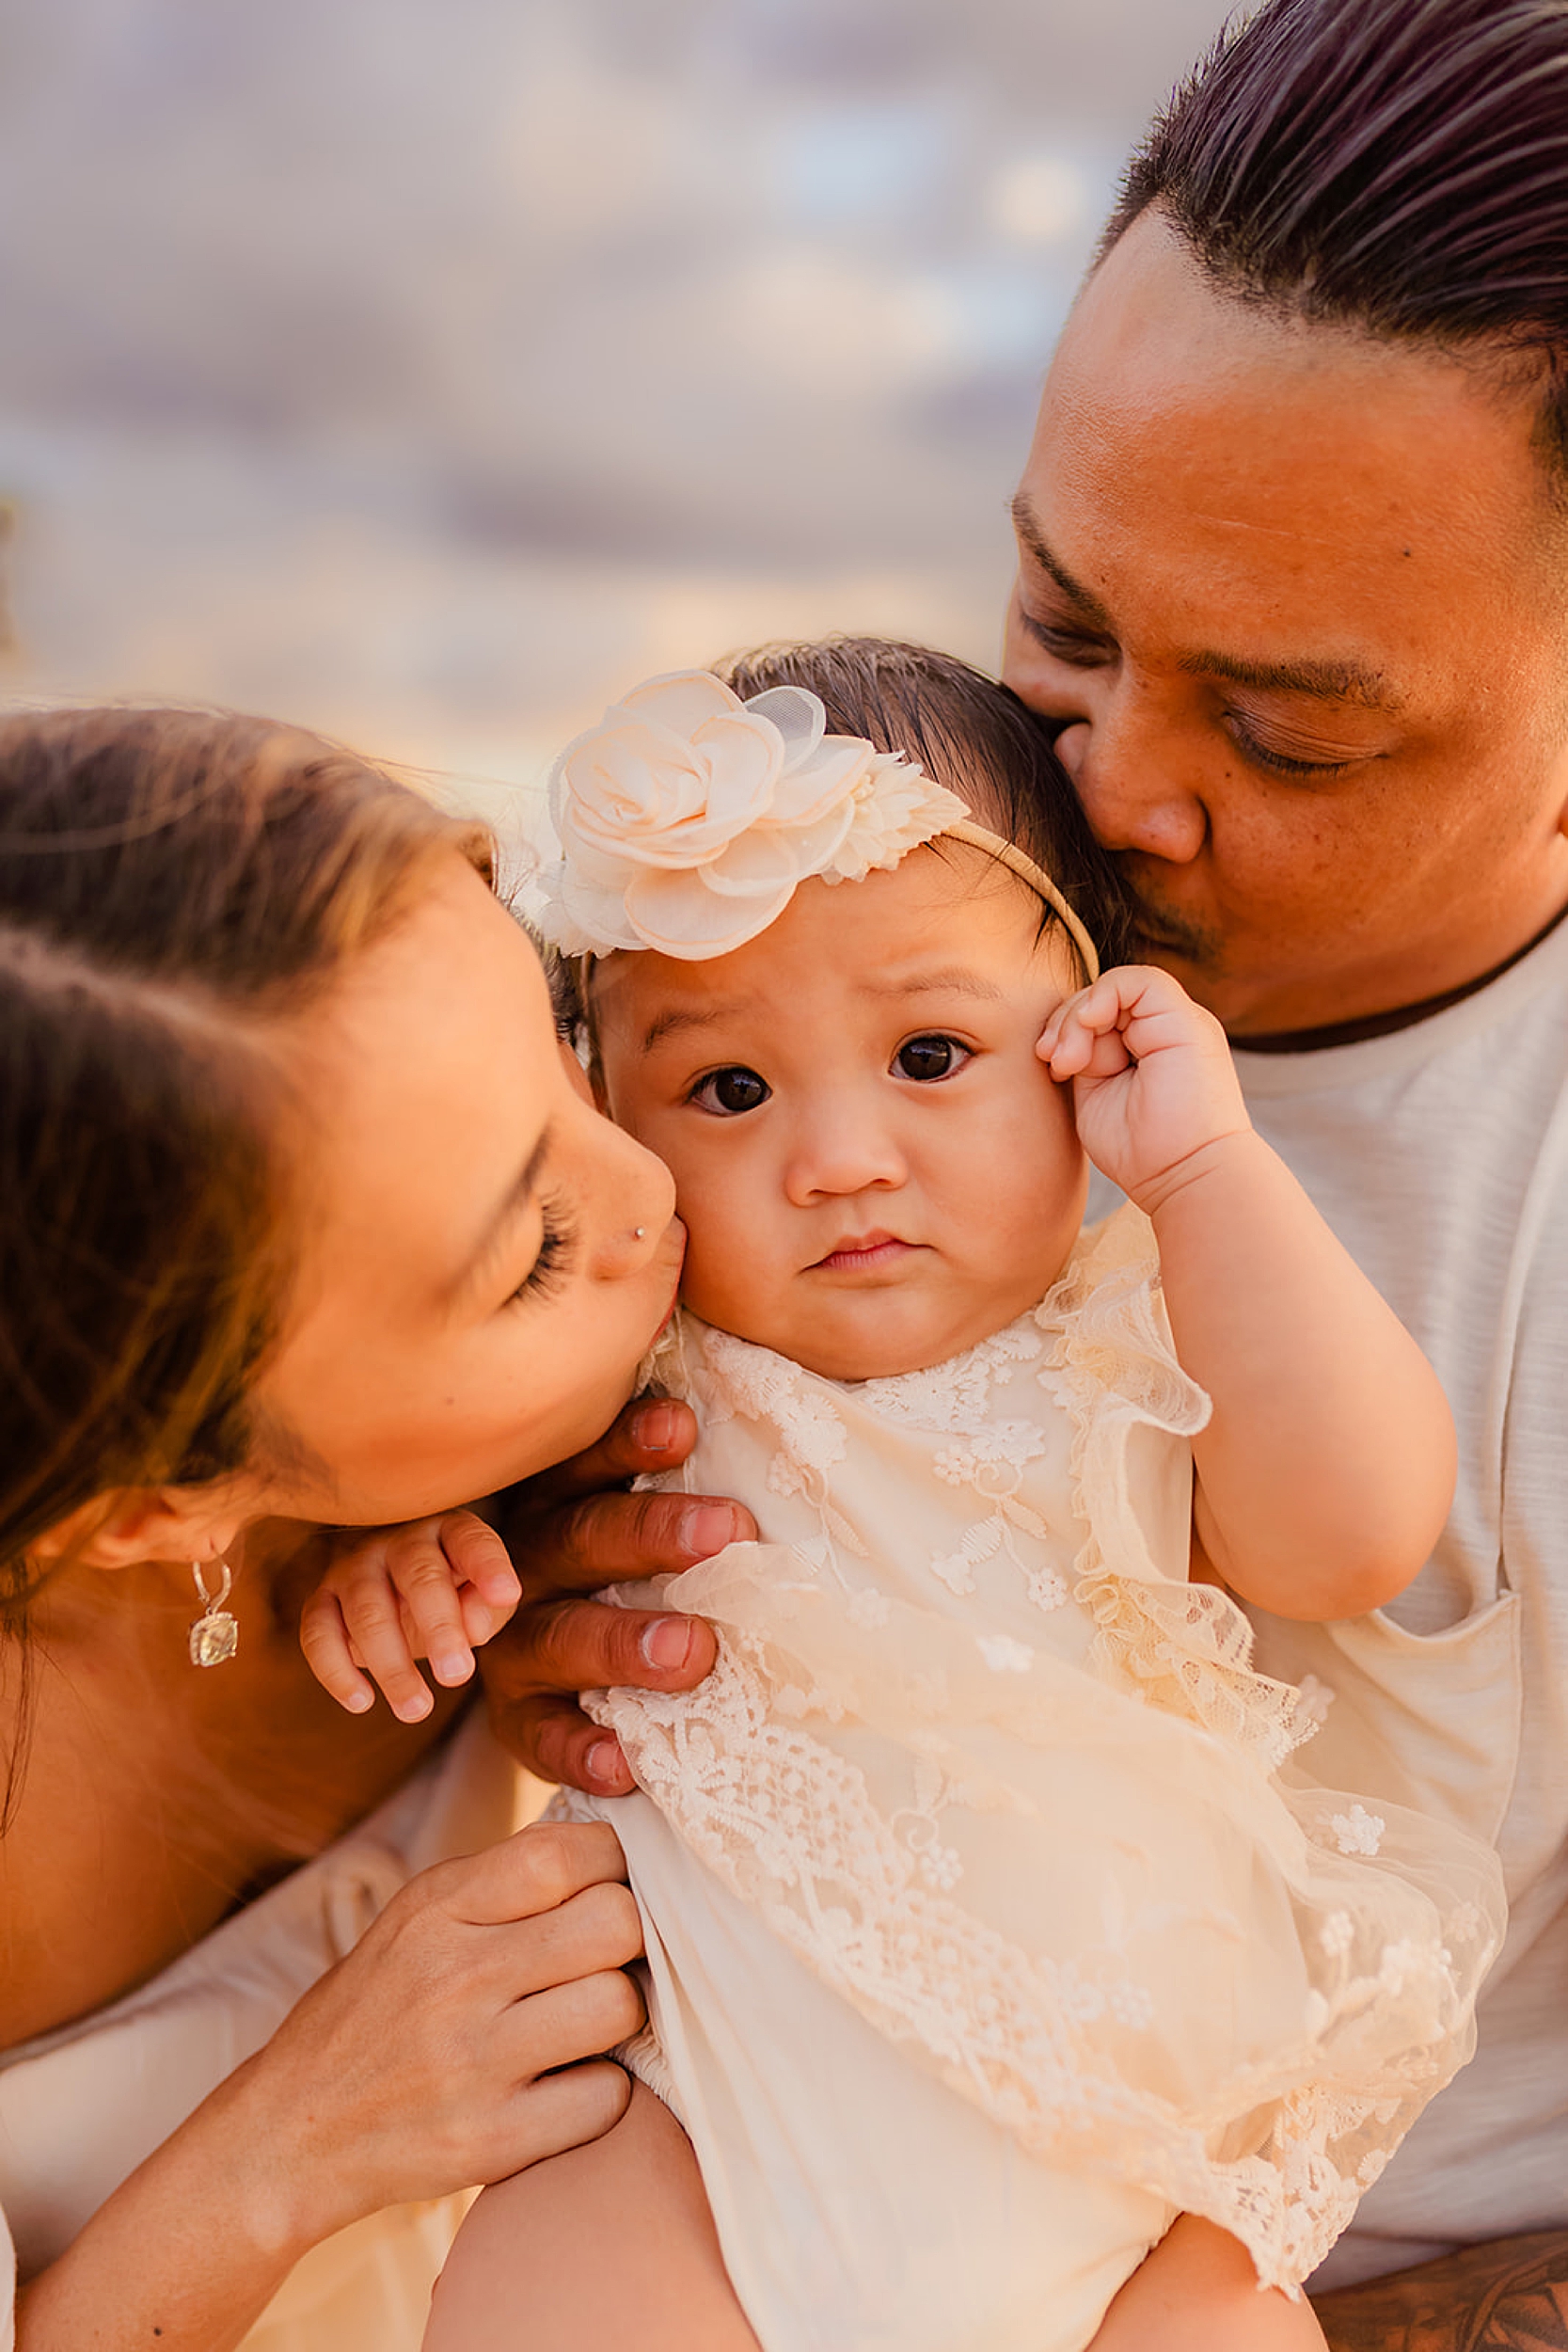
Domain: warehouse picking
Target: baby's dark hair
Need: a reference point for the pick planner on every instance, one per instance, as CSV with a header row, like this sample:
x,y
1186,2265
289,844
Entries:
x,y
968,733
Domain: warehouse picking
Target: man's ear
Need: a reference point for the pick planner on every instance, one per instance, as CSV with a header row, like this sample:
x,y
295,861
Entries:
x,y
135,1523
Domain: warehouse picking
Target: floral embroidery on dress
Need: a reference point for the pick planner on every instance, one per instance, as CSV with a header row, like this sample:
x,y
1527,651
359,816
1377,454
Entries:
x,y
1357,1830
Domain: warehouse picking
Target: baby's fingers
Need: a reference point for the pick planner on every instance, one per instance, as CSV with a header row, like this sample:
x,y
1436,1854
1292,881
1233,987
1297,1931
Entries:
x,y
330,1655
479,1558
1082,1037
424,1578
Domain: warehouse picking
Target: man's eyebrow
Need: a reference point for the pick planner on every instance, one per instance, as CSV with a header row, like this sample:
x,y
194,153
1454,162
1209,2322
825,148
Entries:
x,y
1031,539
515,1197
1330,681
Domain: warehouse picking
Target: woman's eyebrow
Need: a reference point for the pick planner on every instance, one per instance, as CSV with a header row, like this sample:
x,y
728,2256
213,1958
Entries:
x,y
516,1198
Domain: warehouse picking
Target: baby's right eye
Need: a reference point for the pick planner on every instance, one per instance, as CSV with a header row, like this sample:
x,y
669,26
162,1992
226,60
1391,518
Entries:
x,y
728,1093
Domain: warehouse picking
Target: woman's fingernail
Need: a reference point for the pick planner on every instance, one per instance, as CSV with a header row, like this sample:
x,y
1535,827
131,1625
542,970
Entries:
x,y
359,1702
706,1527
666,1644
454,1665
603,1760
414,1710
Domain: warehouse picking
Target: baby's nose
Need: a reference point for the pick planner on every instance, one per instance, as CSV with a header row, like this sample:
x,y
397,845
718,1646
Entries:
x,y
844,1153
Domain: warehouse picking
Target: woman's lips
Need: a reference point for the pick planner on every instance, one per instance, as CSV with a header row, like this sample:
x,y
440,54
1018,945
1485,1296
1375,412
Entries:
x,y
866,1253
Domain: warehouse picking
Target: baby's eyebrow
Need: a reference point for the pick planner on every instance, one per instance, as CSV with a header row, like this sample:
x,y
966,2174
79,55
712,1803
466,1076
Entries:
x,y
951,982
682,1017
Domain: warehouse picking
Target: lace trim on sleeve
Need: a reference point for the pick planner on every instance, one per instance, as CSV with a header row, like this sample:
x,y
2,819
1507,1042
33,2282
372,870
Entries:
x,y
1187,1648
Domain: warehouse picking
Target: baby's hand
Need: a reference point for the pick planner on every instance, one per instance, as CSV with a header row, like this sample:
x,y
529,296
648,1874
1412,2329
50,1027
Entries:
x,y
1152,1078
434,1588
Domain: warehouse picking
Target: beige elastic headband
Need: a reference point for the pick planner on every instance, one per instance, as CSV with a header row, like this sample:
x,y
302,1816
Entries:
x,y
1018,862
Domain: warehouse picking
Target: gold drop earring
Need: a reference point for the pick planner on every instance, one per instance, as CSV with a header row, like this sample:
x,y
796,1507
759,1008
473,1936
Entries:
x,y
215,1634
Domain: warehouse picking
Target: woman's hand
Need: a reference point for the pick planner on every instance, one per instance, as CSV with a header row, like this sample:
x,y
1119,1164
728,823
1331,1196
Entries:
x,y
426,2062
570,1531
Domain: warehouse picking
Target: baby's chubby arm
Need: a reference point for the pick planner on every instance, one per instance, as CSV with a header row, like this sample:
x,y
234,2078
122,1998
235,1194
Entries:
x,y
1324,1475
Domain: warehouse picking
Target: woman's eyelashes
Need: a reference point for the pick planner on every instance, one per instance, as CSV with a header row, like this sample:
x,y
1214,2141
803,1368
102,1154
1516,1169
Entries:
x,y
553,1261
727,1093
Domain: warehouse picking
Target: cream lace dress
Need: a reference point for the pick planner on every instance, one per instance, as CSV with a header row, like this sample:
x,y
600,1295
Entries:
x,y
984,1933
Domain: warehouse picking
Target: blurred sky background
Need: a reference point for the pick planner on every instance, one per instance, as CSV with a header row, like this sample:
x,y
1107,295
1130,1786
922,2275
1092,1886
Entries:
x,y
428,370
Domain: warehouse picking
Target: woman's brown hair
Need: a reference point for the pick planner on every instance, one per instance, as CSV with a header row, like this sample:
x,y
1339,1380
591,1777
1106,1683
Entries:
x,y
168,879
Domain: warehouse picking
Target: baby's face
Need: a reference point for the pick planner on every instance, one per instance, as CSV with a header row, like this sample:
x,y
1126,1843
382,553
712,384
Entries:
x,y
874,1168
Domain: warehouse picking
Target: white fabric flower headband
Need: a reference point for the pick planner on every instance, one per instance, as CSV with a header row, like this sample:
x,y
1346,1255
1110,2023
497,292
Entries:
x,y
688,819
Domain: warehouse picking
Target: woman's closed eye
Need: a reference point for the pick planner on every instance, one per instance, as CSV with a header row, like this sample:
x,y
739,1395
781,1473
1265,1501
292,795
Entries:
x,y
727,1093
553,1261
930,1057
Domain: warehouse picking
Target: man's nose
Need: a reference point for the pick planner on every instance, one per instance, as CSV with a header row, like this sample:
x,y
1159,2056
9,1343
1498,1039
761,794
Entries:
x,y
1127,771
847,1149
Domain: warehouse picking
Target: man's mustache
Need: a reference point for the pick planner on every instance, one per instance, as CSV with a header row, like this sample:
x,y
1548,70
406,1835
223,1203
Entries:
x,y
1159,927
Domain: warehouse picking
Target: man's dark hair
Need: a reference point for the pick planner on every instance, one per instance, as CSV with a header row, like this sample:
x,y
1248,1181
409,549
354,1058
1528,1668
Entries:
x,y
1397,166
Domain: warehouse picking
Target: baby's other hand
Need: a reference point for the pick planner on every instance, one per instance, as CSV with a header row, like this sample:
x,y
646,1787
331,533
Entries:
x,y
1153,1079
435,1588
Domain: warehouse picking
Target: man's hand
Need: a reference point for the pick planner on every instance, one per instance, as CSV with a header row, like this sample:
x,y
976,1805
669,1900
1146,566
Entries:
x,y
569,1530
1508,2297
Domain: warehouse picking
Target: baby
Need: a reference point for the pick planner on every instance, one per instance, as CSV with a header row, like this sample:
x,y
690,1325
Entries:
x,y
984,1936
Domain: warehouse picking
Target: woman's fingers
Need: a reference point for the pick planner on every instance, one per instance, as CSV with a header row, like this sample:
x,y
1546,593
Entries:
x,y
429,2057
564,2111
542,1869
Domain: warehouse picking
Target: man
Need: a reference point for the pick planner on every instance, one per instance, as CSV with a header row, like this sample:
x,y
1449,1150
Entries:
x,y
1294,585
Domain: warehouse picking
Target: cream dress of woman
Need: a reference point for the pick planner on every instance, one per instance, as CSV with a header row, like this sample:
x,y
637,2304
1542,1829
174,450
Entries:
x,y
985,1933
81,2107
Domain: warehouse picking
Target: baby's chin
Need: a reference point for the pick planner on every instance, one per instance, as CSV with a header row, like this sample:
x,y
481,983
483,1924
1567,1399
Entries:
x,y
837,1348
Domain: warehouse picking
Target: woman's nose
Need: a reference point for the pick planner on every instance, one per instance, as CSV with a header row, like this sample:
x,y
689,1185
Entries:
x,y
1125,769
638,1202
847,1149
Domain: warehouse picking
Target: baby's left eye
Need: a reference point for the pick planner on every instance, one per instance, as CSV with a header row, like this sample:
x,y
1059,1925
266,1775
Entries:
x,y
931,1056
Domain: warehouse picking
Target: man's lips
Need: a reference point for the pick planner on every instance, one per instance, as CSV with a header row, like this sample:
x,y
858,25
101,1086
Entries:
x,y
864,1253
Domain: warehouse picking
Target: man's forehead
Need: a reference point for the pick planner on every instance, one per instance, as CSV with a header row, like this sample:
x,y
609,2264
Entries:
x,y
1263,419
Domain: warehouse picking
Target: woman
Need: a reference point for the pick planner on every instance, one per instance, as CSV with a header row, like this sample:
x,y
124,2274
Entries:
x,y
304,1218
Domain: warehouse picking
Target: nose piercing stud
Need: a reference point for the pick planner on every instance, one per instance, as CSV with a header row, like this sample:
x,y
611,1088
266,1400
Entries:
x,y
640,1232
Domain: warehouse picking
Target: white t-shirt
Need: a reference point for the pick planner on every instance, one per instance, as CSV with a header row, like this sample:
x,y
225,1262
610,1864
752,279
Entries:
x,y
1439,1156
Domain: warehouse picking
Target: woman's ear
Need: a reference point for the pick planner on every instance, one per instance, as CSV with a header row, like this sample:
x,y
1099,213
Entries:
x,y
135,1523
